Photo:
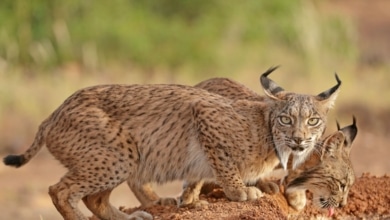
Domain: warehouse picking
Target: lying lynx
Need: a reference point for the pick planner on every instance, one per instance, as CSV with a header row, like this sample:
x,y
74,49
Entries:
x,y
320,164
328,173
108,134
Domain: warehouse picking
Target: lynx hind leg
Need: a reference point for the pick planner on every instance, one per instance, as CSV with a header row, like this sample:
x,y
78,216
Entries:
x,y
296,199
146,195
268,187
190,195
99,205
65,196
71,189
91,182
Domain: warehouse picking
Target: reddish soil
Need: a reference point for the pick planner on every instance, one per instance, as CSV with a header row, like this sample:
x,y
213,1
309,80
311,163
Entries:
x,y
368,198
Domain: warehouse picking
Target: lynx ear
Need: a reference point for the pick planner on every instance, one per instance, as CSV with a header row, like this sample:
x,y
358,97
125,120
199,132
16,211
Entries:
x,y
333,145
329,96
338,125
350,133
271,89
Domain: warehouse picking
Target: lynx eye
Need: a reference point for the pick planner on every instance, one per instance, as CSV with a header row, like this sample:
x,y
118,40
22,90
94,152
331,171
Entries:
x,y
342,186
313,121
285,120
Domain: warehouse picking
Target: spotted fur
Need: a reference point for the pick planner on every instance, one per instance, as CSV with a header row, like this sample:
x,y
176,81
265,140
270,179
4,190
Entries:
x,y
321,172
109,134
299,136
328,173
295,137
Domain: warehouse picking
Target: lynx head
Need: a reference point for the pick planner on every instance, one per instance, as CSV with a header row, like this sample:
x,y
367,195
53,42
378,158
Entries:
x,y
297,120
332,177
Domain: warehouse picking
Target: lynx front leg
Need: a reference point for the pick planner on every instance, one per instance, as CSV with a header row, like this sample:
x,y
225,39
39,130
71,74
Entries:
x,y
190,195
191,191
219,129
236,190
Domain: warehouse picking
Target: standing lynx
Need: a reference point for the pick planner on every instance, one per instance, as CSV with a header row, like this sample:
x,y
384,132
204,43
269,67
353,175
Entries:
x,y
108,134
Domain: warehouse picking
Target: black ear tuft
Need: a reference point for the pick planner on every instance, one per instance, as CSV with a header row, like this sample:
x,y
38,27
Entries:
x,y
350,133
353,129
337,79
269,71
269,86
329,92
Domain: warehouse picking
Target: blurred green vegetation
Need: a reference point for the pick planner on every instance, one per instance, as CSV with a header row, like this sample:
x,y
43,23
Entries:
x,y
201,36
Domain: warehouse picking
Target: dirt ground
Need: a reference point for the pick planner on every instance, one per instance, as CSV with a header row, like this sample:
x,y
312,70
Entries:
x,y
369,199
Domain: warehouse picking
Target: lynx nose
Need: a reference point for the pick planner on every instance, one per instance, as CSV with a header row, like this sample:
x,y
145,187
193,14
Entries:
x,y
298,140
342,203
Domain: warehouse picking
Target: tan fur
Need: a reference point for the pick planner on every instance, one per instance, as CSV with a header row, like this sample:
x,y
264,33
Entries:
x,y
328,174
298,106
297,138
109,134
318,161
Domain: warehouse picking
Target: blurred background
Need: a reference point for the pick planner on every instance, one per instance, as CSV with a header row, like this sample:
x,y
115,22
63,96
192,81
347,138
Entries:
x,y
51,48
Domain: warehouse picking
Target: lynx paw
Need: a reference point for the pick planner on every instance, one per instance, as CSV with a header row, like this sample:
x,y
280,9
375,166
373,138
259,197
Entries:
x,y
243,194
140,215
296,199
268,187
